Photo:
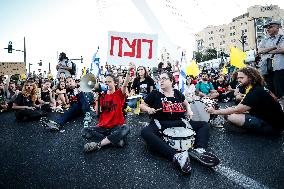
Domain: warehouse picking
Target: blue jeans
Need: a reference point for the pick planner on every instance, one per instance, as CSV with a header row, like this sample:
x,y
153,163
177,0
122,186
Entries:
x,y
76,110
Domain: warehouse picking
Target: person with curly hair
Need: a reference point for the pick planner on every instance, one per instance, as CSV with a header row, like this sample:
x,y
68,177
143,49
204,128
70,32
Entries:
x,y
25,103
259,111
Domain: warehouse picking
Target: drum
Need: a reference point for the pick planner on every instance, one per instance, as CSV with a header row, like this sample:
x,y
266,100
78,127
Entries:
x,y
199,109
179,138
199,112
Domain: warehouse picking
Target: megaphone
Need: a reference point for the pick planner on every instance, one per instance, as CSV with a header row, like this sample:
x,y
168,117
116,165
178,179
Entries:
x,y
88,82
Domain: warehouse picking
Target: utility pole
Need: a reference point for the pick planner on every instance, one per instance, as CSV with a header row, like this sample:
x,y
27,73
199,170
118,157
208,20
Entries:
x,y
30,68
25,52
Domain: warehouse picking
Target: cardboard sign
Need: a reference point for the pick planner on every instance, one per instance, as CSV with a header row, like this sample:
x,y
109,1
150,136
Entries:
x,y
11,68
132,47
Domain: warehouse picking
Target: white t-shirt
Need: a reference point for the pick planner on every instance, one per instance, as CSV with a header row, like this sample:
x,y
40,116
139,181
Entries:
x,y
189,90
64,62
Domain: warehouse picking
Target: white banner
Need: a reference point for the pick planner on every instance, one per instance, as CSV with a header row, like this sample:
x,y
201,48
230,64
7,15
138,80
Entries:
x,y
132,47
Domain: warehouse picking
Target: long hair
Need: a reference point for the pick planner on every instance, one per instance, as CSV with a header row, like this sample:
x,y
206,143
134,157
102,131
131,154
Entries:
x,y
58,85
254,75
33,93
115,79
145,74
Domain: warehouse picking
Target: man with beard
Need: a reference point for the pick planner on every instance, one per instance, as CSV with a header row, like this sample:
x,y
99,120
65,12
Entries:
x,y
264,116
204,88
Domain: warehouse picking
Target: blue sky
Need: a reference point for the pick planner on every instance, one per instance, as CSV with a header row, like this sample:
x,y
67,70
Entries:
x,y
77,27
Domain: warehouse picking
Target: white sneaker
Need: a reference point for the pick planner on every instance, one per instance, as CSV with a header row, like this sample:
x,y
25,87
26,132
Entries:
x,y
183,160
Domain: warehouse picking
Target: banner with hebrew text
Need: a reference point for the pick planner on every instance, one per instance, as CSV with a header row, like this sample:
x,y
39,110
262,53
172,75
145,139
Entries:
x,y
11,68
132,47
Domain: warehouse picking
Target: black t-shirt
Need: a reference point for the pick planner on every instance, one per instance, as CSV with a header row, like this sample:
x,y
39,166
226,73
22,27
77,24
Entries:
x,y
45,96
264,105
142,86
72,96
23,101
171,107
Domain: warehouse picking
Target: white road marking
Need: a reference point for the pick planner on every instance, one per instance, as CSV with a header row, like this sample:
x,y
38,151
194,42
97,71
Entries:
x,y
239,178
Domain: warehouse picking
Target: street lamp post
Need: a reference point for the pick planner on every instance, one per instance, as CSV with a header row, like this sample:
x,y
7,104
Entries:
x,y
30,68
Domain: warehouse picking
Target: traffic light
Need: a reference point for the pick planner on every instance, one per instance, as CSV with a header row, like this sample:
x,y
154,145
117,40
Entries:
x,y
10,47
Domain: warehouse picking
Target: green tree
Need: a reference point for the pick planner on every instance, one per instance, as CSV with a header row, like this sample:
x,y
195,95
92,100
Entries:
x,y
198,56
210,54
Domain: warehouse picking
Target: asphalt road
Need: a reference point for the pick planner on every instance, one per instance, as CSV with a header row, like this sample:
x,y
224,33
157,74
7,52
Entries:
x,y
32,157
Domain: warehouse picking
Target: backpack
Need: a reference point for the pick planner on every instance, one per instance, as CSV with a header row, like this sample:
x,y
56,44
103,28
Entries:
x,y
73,70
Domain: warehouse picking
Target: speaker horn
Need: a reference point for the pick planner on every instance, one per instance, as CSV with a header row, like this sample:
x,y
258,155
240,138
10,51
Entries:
x,y
88,82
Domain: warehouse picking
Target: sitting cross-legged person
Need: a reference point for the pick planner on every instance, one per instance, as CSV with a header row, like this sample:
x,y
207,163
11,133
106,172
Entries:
x,y
167,108
111,127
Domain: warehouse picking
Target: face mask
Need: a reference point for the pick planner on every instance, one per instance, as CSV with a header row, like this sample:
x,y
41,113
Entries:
x,y
205,79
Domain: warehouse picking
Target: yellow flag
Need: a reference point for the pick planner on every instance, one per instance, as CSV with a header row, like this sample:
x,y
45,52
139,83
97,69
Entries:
x,y
23,77
225,70
237,57
192,69
84,71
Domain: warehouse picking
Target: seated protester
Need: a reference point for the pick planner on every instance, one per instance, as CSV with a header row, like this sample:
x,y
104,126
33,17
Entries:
x,y
79,106
204,88
111,128
167,108
264,116
46,100
60,94
143,84
221,86
237,91
11,94
3,103
189,89
25,103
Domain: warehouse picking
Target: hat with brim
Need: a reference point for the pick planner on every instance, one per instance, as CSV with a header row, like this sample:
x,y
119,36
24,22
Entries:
x,y
276,22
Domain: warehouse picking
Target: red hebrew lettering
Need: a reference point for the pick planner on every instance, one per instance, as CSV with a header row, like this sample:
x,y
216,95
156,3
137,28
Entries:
x,y
150,41
132,46
138,55
113,38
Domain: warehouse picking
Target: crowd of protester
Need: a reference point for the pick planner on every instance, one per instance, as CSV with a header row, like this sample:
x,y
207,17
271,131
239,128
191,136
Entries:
x,y
135,87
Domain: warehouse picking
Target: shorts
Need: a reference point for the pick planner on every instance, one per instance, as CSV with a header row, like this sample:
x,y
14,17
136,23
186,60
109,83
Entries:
x,y
257,125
